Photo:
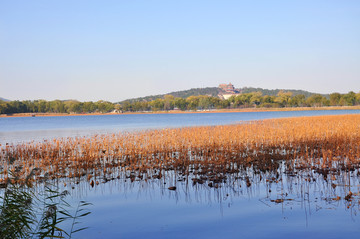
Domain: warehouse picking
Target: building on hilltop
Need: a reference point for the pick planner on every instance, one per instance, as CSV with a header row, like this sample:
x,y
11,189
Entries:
x,y
228,91
228,88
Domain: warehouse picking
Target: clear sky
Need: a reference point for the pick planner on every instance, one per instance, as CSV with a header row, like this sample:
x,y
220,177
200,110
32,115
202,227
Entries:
x,y
115,50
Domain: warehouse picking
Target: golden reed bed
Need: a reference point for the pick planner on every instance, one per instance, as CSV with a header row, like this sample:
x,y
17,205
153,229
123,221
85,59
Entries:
x,y
325,144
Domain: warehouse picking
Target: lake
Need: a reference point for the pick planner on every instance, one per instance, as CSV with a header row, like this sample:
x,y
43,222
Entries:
x,y
276,204
24,129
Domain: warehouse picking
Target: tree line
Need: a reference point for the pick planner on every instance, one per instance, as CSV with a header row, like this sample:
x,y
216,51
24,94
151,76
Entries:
x,y
55,106
169,102
245,100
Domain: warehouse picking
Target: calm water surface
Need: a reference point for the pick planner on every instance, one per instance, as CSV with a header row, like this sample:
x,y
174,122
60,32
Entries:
x,y
147,209
23,129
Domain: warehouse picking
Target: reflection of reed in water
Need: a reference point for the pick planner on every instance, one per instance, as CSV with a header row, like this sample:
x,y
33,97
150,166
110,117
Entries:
x,y
41,212
301,188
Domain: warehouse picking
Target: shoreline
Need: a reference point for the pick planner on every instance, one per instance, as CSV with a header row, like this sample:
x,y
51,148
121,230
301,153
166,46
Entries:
x,y
183,112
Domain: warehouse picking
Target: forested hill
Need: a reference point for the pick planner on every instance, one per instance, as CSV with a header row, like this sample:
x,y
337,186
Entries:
x,y
215,91
276,91
2,99
211,91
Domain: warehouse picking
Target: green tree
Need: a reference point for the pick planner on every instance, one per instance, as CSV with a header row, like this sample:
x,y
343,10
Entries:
x,y
317,100
137,106
205,102
2,107
180,103
157,104
283,98
42,106
242,100
357,97
73,106
297,100
269,99
348,99
223,104
32,106
104,106
89,107
57,106
215,101
169,102
256,98
192,102
335,98
126,106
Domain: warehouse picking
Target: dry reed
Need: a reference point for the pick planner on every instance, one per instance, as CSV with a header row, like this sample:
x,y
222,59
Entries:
x,y
323,144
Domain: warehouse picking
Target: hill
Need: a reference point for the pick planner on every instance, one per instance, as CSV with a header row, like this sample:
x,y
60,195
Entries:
x,y
3,99
215,91
276,91
211,91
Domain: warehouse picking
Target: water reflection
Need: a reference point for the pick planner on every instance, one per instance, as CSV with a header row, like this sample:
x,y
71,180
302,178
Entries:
x,y
305,188
279,202
40,212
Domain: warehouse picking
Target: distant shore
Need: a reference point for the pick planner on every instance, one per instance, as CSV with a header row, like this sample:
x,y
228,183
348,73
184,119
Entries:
x,y
185,112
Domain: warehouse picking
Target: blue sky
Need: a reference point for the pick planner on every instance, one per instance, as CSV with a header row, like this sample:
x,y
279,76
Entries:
x,y
114,50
